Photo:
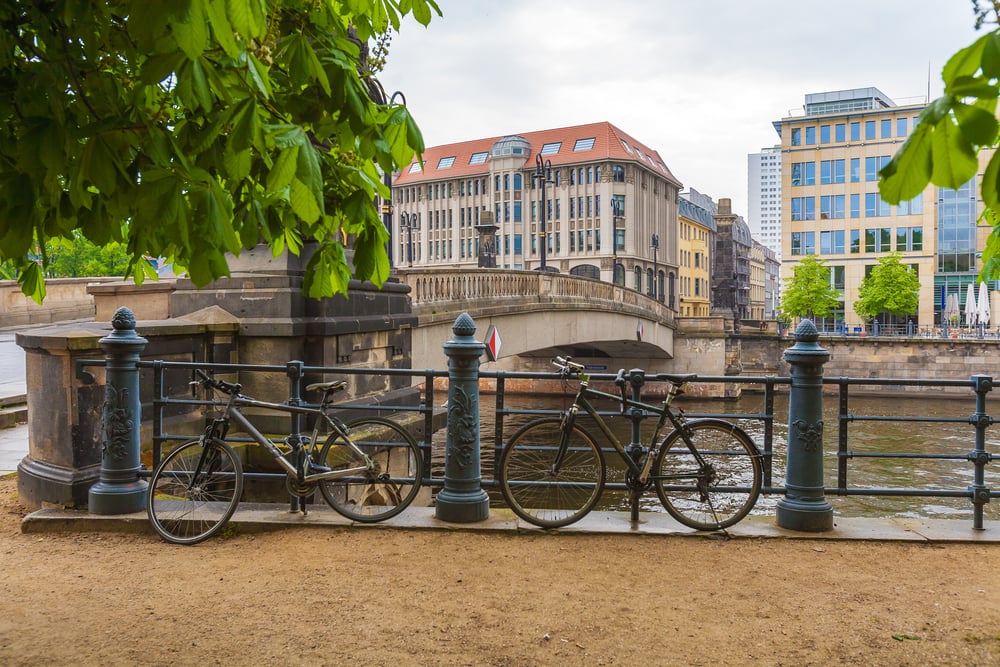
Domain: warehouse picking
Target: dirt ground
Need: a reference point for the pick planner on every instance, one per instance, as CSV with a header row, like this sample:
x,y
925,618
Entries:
x,y
378,596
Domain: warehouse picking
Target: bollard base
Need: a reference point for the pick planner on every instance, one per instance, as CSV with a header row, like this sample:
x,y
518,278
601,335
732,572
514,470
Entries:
x,y
105,498
807,517
462,507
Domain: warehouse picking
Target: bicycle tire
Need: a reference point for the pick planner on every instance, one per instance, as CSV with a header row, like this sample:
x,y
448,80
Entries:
x,y
735,482
533,491
387,489
186,506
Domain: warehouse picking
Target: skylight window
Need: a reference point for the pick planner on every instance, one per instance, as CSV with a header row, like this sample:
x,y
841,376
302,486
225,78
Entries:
x,y
551,149
627,147
446,162
478,158
584,144
415,168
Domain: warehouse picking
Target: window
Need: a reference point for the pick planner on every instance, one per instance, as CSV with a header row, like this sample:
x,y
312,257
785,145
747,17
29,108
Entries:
x,y
875,206
909,238
618,205
824,134
506,181
831,171
584,144
855,241
869,129
914,206
415,168
796,137
517,211
855,206
878,239
446,162
831,207
618,173
810,136
478,158
886,128
803,243
855,169
856,131
873,165
803,208
901,127
804,173
840,132
831,242
837,277
551,149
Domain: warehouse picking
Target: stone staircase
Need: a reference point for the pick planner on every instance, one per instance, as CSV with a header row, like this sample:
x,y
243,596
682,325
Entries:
x,y
13,410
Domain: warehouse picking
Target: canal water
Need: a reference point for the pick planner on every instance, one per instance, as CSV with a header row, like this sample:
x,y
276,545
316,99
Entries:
x,y
864,437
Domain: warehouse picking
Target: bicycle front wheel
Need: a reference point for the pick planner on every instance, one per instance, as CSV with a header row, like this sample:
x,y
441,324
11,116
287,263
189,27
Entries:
x,y
545,484
376,492
721,492
194,491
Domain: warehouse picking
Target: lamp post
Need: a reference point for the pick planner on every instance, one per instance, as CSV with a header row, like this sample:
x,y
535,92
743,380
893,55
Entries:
x,y
542,170
409,222
655,244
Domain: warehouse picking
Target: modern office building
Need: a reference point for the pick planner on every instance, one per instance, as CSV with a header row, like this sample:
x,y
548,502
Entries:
x,y
604,203
830,203
764,197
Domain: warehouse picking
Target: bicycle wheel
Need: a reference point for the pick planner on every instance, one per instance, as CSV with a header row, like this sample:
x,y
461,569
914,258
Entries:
x,y
385,489
536,491
194,491
720,494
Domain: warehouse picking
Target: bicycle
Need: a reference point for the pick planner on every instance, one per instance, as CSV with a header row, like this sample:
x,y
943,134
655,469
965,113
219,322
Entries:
x,y
368,470
706,472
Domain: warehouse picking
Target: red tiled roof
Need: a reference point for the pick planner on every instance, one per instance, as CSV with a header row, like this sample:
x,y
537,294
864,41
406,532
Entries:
x,y
609,144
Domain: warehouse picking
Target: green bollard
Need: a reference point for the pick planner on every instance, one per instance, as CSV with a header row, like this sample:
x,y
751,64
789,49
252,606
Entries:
x,y
462,500
804,506
119,490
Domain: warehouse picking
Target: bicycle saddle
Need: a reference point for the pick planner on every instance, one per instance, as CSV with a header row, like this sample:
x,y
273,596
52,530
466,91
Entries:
x,y
328,387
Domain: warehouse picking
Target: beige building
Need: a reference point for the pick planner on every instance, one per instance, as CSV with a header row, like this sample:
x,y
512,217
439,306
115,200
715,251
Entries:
x,y
830,203
608,209
697,241
758,281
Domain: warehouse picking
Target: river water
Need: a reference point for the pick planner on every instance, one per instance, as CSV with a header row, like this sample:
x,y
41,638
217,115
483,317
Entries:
x,y
863,437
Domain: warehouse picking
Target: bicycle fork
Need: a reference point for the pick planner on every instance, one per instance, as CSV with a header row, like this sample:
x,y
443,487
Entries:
x,y
565,429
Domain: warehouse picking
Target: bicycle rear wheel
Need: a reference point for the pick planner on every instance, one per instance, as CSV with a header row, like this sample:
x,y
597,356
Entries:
x,y
194,491
718,495
385,489
535,490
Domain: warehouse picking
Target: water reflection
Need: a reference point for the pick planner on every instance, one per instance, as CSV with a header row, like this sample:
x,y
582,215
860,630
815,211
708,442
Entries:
x,y
864,437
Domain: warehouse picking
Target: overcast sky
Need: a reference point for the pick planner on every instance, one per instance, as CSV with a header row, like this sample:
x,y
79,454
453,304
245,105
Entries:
x,y
700,81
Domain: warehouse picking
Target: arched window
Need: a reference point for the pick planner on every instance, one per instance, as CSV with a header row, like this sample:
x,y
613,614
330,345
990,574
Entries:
x,y
660,285
649,282
586,271
619,278
618,173
638,279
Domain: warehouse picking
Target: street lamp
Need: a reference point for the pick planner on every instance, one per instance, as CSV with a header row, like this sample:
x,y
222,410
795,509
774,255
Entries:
x,y
409,223
655,244
543,169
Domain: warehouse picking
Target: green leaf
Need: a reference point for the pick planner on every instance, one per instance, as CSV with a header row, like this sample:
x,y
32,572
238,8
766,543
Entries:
x,y
327,272
909,171
991,56
972,86
991,183
281,174
32,282
371,262
245,125
191,34
978,126
237,164
965,62
303,202
308,168
221,28
954,159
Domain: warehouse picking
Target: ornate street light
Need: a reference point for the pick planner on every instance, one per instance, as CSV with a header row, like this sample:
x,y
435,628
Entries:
x,y
409,222
543,169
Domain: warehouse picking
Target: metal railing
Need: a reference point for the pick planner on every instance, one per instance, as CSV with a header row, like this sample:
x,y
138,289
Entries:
x,y
170,402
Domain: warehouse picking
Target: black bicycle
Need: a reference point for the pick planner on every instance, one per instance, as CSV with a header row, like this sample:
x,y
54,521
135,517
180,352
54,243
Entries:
x,y
707,472
368,470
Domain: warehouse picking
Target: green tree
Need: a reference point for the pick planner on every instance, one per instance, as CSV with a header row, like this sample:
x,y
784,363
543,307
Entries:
x,y
76,256
808,292
191,128
891,287
953,129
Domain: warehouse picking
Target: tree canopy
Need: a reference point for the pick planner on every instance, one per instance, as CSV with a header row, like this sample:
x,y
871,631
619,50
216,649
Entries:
x,y
191,128
891,287
952,130
808,291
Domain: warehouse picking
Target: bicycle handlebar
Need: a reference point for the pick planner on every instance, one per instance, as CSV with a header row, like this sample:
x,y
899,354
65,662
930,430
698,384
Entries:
x,y
567,365
206,380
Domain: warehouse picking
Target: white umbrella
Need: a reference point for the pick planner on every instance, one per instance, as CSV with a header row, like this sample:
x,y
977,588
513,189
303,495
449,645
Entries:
x,y
983,305
951,308
970,306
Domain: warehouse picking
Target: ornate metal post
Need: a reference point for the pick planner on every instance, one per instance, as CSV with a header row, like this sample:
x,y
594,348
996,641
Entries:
x,y
804,506
462,499
119,490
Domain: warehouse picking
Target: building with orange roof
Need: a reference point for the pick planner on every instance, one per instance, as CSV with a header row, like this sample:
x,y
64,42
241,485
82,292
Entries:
x,y
606,196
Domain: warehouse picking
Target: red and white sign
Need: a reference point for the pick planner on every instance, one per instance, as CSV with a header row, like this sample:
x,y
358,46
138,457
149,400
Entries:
x,y
493,343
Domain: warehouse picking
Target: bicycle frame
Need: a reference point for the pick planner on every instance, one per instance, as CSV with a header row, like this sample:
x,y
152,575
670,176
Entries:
x,y
237,401
641,471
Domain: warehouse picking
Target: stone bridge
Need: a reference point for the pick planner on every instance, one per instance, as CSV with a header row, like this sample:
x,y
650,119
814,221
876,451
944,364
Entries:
x,y
537,314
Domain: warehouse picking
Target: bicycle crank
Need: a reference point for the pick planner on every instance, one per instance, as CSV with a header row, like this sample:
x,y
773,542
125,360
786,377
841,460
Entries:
x,y
299,489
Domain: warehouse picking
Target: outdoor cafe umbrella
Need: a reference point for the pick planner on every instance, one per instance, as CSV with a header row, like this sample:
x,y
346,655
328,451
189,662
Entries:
x,y
970,306
951,309
983,305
